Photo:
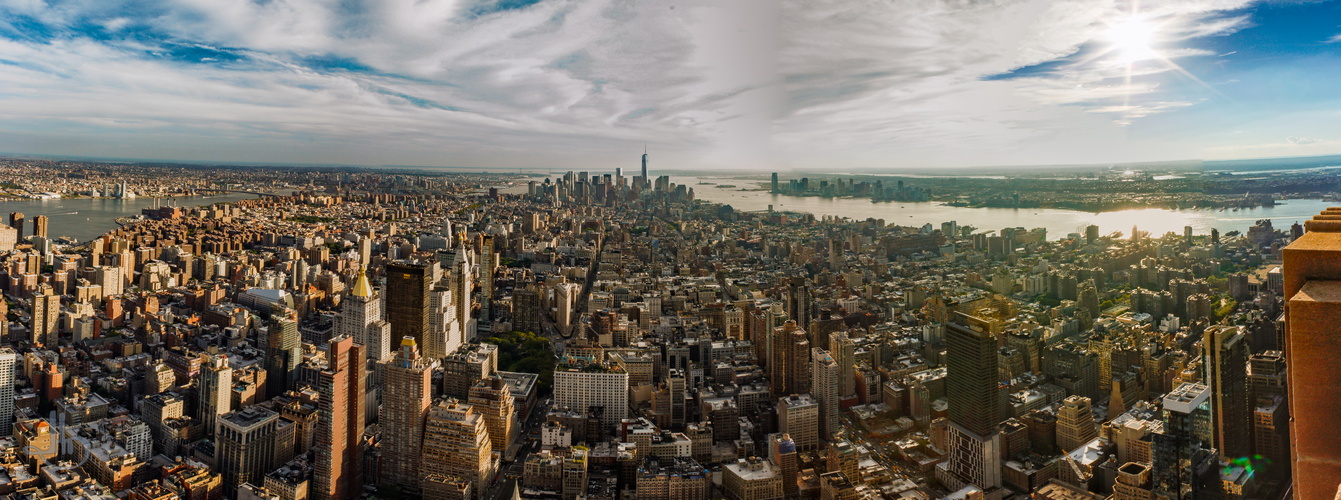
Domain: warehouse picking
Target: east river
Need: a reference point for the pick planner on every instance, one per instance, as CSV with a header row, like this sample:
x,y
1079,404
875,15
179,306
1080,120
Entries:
x,y
1059,223
87,218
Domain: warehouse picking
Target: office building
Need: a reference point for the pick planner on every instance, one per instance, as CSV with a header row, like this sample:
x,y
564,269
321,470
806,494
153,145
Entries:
x,y
584,387
407,289
799,417
672,478
783,454
340,424
1225,353
407,395
972,438
456,444
469,364
361,318
1312,284
752,478
526,310
245,446
1184,465
492,398
284,351
1075,423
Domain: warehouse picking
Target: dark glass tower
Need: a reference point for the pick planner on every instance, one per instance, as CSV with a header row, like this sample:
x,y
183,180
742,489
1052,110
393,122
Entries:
x,y
407,286
971,381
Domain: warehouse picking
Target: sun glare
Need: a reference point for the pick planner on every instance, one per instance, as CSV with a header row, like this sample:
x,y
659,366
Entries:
x,y
1131,39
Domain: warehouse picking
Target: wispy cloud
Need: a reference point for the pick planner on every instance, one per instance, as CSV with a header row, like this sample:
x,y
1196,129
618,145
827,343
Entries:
x,y
568,83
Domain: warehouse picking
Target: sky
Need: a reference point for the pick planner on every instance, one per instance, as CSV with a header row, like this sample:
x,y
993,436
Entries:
x,y
804,85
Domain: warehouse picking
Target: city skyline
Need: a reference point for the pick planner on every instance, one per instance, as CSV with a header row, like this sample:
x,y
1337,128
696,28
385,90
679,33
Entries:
x,y
756,86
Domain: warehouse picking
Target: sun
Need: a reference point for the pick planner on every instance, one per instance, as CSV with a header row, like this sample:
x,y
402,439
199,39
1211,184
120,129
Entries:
x,y
1131,39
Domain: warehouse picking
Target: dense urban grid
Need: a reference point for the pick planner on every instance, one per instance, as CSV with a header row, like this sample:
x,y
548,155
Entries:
x,y
386,335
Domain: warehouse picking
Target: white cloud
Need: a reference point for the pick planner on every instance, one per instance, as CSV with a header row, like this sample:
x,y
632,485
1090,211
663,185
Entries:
x,y
908,82
577,84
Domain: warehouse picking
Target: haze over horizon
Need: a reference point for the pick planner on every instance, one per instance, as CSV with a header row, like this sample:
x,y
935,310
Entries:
x,y
751,85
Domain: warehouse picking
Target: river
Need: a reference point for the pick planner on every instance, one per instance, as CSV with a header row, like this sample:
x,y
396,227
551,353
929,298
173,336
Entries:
x,y
87,218
1058,223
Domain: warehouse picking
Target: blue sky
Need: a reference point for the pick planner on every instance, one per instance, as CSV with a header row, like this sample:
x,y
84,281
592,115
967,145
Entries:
x,y
749,84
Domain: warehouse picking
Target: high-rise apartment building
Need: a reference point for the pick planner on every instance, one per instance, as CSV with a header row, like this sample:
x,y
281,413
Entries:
x,y
16,221
824,386
456,444
407,289
1312,284
407,383
790,366
216,390
844,351
487,263
340,423
9,362
1225,353
40,226
46,311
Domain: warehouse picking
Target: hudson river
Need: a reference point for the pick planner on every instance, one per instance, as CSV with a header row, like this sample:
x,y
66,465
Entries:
x,y
1059,223
88,218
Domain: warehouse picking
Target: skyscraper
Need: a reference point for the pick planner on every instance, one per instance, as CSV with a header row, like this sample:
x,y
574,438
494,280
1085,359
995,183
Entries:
x,y
645,178
526,310
784,456
844,351
407,286
244,447
824,386
487,263
1225,352
46,310
774,188
9,361
1184,465
216,390
284,350
971,384
16,221
361,318
492,399
1312,282
340,422
40,226
408,383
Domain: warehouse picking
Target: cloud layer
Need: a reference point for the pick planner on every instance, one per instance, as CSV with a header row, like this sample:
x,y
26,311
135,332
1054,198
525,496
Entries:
x,y
562,84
